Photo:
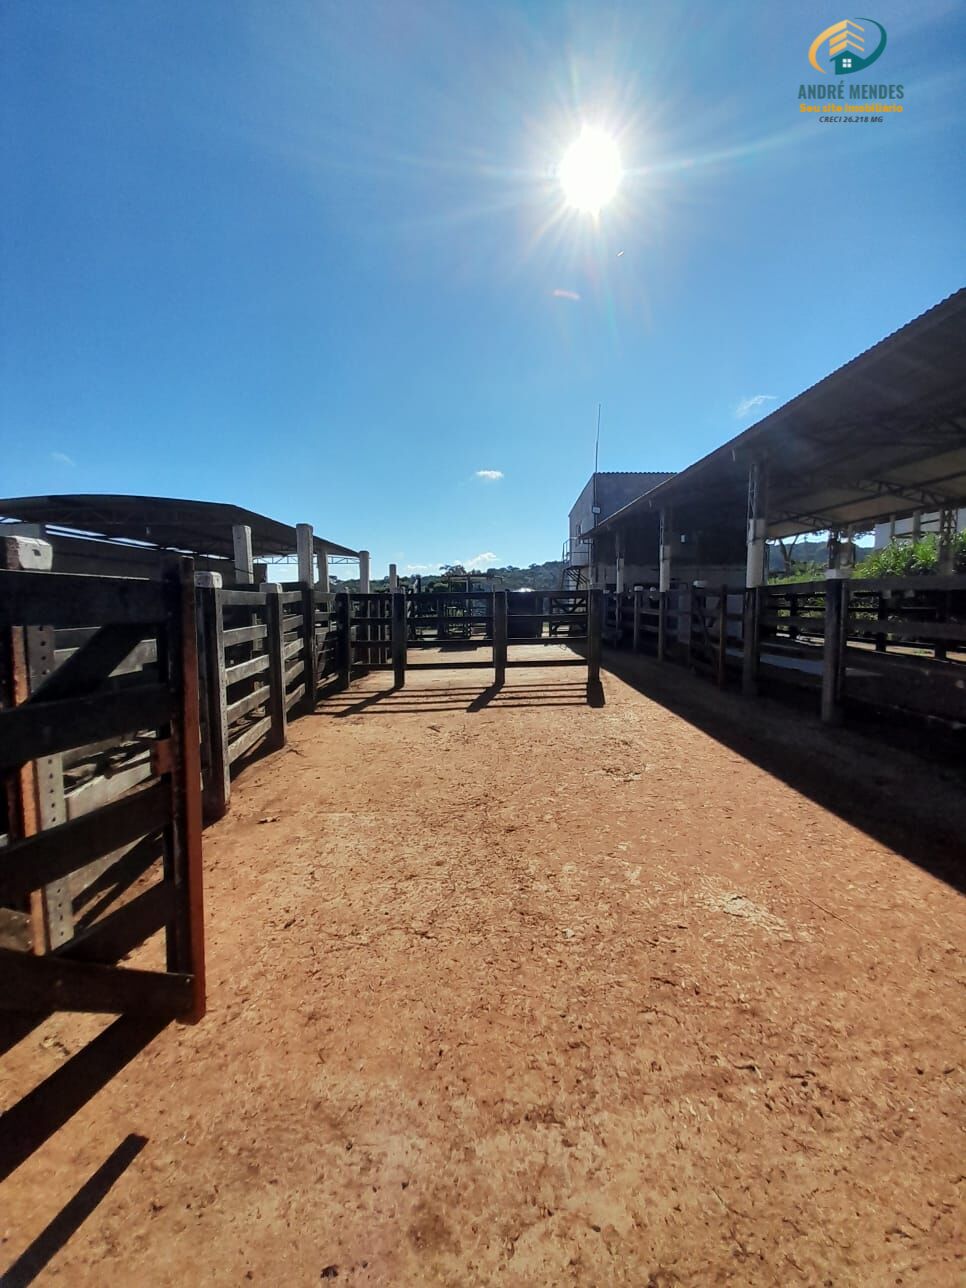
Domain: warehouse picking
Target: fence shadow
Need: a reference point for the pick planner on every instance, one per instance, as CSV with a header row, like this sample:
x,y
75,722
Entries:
x,y
860,775
72,1215
26,1125
468,698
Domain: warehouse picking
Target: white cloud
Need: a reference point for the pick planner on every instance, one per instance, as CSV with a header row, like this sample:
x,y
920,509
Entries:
x,y
61,458
753,403
486,559
560,294
411,568
489,475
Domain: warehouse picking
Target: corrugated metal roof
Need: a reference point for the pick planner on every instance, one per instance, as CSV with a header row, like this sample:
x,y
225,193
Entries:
x,y
884,434
195,527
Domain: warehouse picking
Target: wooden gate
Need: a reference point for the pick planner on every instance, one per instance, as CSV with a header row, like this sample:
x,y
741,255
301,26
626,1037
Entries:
x,y
56,700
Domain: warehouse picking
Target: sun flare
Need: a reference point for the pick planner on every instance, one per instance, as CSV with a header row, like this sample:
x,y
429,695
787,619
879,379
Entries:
x,y
590,172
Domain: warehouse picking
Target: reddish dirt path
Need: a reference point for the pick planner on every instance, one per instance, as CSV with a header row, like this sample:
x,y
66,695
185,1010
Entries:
x,y
536,994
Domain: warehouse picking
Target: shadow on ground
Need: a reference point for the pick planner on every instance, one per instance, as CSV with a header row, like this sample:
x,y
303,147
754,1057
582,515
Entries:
x,y
26,1125
471,698
72,1215
915,804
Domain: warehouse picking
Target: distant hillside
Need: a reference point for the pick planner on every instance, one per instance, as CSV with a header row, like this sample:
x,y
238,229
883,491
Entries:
x,y
545,576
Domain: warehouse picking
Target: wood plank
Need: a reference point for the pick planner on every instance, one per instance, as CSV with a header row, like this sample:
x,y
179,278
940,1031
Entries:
x,y
241,598
125,929
144,654
87,668
291,672
296,694
556,661
290,650
242,634
247,740
276,674
185,940
242,707
55,984
40,729
245,669
72,599
104,788
53,853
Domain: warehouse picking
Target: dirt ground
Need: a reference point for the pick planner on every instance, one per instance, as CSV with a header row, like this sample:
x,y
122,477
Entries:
x,y
525,991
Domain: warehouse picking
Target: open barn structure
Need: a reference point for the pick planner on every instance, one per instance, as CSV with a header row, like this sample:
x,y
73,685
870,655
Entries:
x,y
127,536
880,439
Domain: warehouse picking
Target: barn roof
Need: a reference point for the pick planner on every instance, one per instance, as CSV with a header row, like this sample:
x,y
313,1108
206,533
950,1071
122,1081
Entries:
x,y
168,523
885,434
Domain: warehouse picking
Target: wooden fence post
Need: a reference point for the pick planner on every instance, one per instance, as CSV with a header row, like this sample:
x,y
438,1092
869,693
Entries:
x,y
36,792
499,637
750,641
276,666
344,618
217,785
662,609
310,656
186,945
638,604
595,610
722,658
833,652
398,639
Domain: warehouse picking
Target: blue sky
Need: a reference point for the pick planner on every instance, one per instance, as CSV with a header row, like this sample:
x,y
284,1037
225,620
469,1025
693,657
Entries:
x,y
311,257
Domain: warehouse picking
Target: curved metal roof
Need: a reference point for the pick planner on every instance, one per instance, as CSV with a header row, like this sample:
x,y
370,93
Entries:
x,y
194,527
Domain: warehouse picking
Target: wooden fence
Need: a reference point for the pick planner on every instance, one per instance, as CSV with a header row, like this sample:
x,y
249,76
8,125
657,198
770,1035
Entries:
x,y
99,753
891,642
388,632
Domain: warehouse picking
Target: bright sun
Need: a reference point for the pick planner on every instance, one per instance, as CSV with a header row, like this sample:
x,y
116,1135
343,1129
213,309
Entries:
x,y
590,171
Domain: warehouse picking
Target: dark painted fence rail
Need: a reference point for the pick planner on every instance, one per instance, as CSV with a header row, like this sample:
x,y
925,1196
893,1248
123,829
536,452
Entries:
x,y
889,642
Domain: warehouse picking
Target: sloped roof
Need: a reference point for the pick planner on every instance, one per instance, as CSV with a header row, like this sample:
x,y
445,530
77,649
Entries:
x,y
195,527
884,434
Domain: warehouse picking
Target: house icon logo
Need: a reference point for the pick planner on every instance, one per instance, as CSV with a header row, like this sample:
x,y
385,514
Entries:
x,y
847,44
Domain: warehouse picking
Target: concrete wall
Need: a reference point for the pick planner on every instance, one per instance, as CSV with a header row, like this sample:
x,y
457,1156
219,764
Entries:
x,y
615,489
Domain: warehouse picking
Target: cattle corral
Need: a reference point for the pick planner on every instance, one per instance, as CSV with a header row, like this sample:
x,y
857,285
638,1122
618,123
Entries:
x,y
523,958
529,1001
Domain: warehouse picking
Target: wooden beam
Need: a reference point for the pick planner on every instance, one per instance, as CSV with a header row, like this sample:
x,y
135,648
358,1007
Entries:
x,y
399,634
44,728
121,931
276,669
71,599
833,654
183,845
721,660
595,614
217,779
33,862
499,637
54,984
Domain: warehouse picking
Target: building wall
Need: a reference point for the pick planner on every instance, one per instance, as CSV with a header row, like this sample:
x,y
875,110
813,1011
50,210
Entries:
x,y
615,489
